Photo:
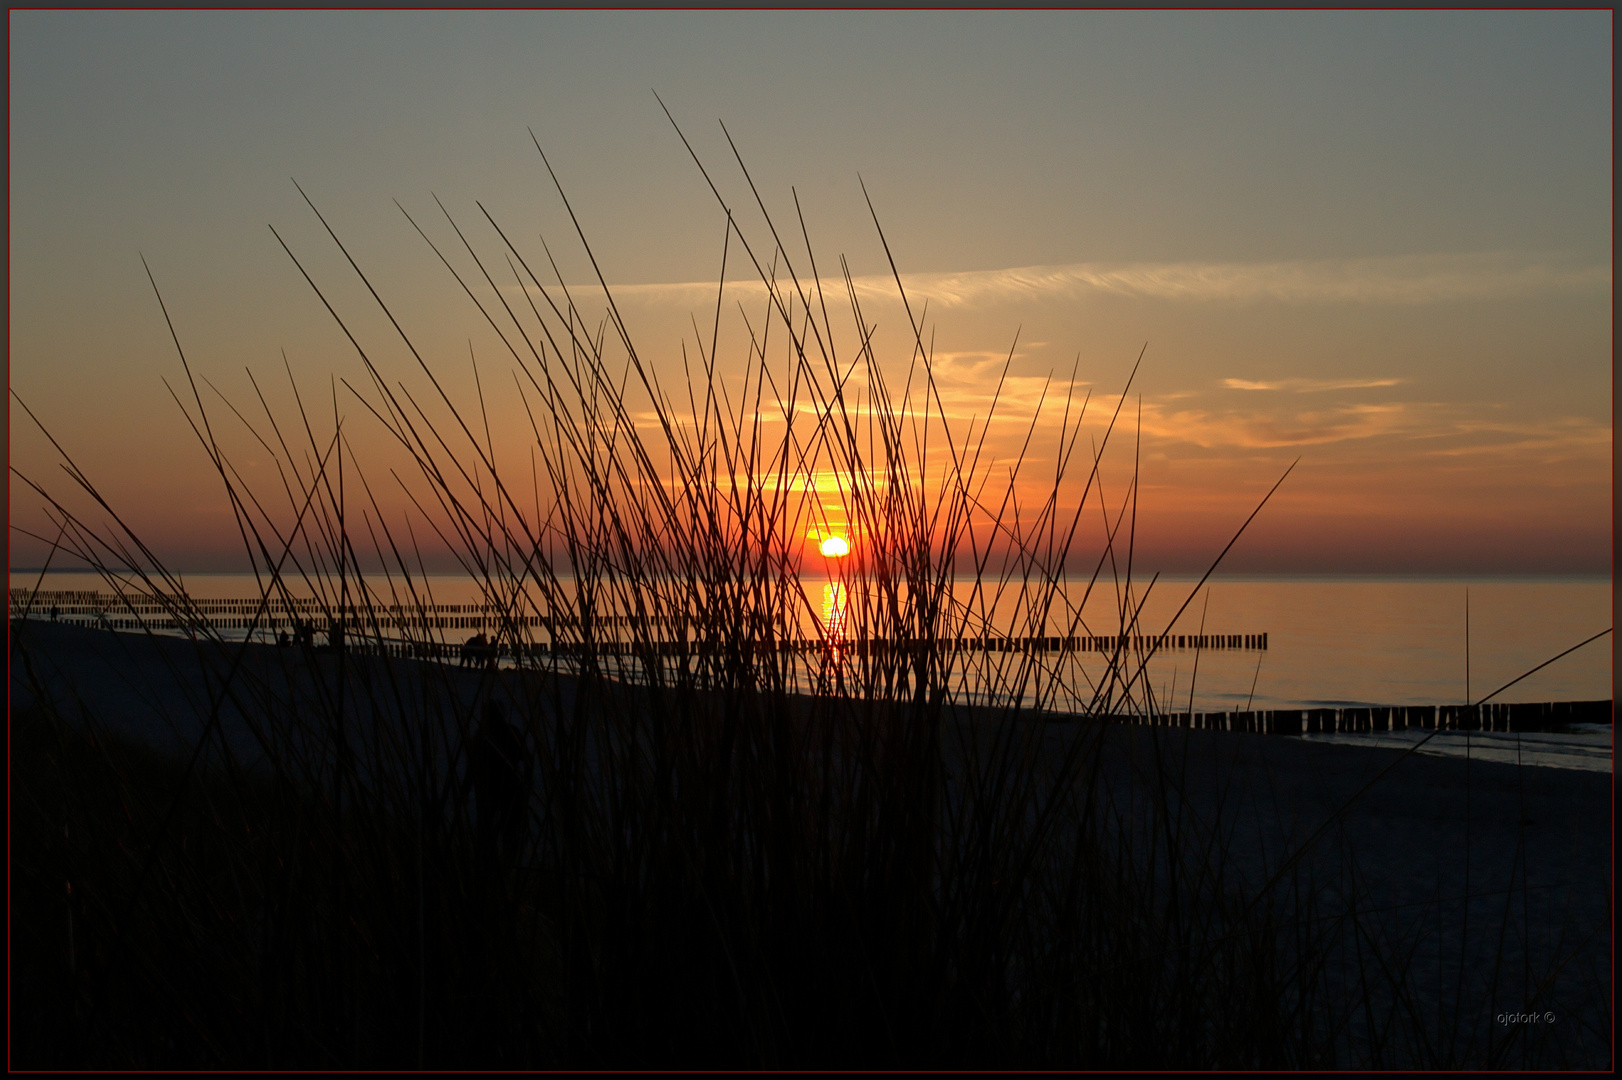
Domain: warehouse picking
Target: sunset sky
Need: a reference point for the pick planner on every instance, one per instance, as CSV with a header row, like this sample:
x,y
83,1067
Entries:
x,y
1377,242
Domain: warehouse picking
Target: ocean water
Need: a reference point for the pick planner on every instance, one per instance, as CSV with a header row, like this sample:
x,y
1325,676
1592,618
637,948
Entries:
x,y
1332,642
1344,642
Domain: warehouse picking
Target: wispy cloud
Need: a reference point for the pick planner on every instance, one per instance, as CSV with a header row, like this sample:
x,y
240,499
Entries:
x,y
1407,279
1256,431
1441,429
1309,386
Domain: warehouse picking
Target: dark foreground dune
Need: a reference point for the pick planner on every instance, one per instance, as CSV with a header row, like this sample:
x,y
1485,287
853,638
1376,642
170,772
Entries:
x,y
1490,882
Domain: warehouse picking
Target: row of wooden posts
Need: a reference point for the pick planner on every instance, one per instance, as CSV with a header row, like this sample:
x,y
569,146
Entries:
x,y
1494,716
864,646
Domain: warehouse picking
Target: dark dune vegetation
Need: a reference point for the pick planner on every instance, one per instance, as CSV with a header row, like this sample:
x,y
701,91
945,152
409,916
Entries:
x,y
718,865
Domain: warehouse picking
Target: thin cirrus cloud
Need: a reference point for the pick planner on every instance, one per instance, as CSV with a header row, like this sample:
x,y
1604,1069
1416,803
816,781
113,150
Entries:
x,y
1445,429
1309,386
1407,279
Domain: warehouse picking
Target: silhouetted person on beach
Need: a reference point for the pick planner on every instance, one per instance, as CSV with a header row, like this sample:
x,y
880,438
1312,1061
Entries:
x,y
499,772
53,612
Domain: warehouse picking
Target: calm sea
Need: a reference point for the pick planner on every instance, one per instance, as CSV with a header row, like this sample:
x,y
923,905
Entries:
x,y
1332,642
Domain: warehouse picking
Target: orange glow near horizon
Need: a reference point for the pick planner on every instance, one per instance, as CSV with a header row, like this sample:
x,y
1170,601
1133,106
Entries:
x,y
835,547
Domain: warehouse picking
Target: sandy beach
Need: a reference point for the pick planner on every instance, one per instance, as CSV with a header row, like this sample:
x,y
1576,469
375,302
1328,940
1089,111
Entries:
x,y
1492,878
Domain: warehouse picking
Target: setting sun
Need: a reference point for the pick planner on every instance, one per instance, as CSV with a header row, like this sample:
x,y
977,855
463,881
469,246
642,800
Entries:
x,y
835,547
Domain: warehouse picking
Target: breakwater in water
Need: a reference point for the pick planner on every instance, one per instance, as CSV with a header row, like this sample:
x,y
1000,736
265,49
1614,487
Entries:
x,y
1549,716
1333,642
568,633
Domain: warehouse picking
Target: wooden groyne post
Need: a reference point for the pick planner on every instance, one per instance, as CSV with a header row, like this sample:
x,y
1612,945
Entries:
x,y
1547,716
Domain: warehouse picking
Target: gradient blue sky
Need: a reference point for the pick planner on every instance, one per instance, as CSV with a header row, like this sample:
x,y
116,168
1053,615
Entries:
x,y
1381,242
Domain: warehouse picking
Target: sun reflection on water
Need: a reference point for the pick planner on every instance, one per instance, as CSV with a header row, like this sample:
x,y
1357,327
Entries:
x,y
835,611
